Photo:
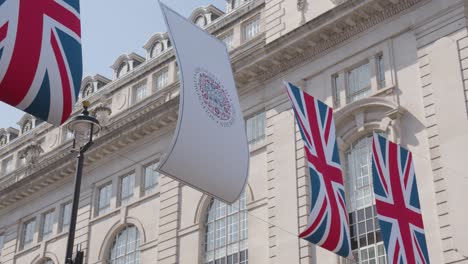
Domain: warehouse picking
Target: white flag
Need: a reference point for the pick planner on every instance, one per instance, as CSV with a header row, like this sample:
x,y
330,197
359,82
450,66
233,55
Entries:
x,y
209,150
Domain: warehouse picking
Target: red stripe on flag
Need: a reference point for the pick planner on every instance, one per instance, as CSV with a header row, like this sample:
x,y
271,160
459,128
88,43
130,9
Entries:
x,y
317,221
23,64
66,89
407,169
3,31
62,15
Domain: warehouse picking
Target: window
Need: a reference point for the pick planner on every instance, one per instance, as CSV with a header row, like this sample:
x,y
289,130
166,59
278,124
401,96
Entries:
x,y
366,241
380,71
227,39
200,21
8,165
251,28
336,91
66,216
256,129
226,233
157,49
151,178
359,82
127,183
123,69
27,126
28,232
139,92
126,247
2,240
47,261
160,79
3,140
47,225
235,3
105,194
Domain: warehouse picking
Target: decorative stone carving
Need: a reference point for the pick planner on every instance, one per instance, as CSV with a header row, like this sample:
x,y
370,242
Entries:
x,y
300,5
31,153
103,110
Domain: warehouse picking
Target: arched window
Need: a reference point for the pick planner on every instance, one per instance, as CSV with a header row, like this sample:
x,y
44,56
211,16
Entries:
x,y
226,233
47,261
366,241
157,49
122,69
235,3
3,140
27,126
200,21
126,247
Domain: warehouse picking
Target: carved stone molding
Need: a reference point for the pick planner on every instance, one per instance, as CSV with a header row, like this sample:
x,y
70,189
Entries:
x,y
31,153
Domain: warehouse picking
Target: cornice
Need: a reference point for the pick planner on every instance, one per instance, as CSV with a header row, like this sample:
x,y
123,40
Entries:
x,y
317,36
156,113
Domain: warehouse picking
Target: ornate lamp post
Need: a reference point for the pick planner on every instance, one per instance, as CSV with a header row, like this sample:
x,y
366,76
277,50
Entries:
x,y
83,127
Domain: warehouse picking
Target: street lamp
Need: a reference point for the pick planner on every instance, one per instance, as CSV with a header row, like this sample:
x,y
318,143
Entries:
x,y
83,127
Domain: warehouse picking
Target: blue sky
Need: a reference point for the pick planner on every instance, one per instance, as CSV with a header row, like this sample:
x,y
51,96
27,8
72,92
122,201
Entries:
x,y
111,28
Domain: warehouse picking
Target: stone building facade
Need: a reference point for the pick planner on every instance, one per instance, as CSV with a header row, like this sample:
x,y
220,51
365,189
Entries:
x,y
397,67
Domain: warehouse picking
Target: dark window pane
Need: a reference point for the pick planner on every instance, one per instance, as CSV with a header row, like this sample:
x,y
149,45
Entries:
x,y
360,214
351,218
369,212
352,232
362,228
370,225
378,238
354,243
362,241
371,253
370,238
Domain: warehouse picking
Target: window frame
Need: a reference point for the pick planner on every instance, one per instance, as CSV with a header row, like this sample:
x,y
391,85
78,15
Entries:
x,y
42,235
363,219
228,34
62,225
361,93
158,74
148,190
218,218
249,21
140,86
103,210
23,243
127,199
258,140
137,259
120,68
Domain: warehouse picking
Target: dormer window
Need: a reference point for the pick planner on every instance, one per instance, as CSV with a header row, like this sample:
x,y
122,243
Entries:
x,y
235,3
88,90
27,126
123,69
3,140
157,49
200,21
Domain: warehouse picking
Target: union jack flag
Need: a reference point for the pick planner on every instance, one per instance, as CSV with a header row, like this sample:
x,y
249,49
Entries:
x,y
397,203
40,56
328,224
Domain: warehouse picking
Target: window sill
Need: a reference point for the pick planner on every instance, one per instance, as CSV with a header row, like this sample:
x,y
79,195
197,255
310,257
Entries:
x,y
256,147
375,93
